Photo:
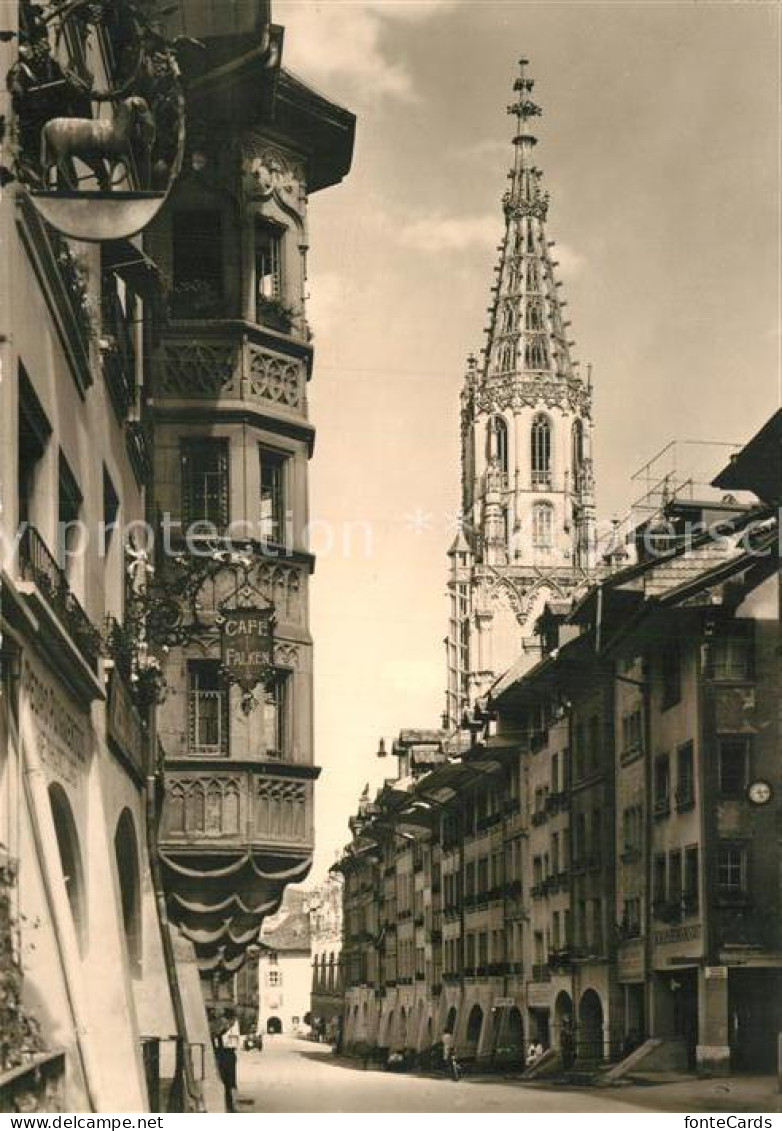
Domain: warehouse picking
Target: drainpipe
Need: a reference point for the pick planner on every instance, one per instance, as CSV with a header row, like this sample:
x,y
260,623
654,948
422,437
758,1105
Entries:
x,y
38,806
185,1091
646,680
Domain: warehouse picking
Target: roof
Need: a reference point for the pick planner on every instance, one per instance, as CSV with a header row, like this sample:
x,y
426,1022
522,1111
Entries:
x,y
758,466
292,934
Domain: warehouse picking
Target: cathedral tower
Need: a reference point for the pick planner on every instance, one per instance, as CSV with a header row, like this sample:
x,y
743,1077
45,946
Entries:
x,y
528,514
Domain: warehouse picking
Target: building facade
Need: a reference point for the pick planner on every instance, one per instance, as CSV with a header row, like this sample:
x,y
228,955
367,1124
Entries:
x,y
324,906
233,438
85,955
527,531
284,970
154,361
597,869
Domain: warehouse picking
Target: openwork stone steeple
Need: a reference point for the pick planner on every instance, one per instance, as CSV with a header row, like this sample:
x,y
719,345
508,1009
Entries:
x,y
527,482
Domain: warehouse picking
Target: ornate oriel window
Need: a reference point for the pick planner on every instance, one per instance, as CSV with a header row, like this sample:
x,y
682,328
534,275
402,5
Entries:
x,y
541,451
543,526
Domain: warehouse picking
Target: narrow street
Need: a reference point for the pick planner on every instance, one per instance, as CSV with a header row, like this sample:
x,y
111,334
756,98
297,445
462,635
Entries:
x,y
299,1076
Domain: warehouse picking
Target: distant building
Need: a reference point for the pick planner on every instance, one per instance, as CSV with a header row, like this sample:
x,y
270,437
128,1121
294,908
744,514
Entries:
x,y
284,970
599,867
527,533
324,905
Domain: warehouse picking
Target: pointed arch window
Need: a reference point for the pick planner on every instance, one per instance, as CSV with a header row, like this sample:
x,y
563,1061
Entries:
x,y
577,456
543,526
536,353
508,318
506,355
533,276
497,441
541,451
534,316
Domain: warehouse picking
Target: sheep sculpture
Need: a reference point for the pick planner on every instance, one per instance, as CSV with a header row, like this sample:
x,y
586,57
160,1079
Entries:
x,y
101,145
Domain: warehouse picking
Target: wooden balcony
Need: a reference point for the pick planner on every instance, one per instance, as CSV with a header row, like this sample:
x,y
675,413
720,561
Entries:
x,y
234,365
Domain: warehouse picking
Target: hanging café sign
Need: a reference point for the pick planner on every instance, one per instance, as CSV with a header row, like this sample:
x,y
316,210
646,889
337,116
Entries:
x,y
100,123
247,644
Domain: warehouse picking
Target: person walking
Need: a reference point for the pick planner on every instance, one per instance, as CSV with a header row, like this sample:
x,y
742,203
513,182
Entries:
x,y
449,1058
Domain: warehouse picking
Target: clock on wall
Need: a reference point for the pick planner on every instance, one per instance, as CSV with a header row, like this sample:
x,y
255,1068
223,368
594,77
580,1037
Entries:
x,y
759,792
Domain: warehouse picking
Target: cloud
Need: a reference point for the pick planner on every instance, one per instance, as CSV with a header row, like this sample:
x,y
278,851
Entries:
x,y
437,232
571,262
342,43
490,149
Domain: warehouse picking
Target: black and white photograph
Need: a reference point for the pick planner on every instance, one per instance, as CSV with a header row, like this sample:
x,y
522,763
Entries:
x,y
390,483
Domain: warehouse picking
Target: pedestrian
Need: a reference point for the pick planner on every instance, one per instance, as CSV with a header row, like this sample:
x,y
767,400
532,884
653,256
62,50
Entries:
x,y
449,1059
567,1044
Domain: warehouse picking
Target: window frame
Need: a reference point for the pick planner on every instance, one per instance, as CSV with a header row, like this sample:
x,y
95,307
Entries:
x,y
279,493
745,742
220,748
541,451
189,448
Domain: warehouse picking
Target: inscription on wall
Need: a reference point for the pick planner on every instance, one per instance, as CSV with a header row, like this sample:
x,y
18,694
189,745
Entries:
x,y
61,732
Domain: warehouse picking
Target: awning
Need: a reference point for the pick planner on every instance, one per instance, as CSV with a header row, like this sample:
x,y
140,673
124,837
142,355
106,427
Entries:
x,y
131,263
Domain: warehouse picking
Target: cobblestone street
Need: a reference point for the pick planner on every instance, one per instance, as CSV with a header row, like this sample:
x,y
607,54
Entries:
x,y
298,1076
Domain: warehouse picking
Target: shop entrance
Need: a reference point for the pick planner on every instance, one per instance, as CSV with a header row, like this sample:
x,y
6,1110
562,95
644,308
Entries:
x,y
684,987
754,1019
634,1017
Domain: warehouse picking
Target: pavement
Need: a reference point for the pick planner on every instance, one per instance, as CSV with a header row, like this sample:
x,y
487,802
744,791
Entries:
x,y
300,1076
292,1075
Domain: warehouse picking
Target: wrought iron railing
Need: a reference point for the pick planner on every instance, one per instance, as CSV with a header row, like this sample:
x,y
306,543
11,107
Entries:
x,y
37,564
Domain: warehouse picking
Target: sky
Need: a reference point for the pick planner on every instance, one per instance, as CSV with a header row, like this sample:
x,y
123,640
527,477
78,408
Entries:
x,y
659,144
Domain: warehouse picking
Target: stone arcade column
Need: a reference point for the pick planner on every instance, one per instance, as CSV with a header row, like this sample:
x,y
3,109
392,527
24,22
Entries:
x,y
713,1049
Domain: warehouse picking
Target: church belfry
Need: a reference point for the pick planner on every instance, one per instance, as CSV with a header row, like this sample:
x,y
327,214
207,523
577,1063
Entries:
x,y
528,514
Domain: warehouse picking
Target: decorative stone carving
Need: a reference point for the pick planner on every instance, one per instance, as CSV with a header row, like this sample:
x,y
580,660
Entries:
x,y
198,369
207,807
271,173
281,584
507,392
276,379
281,810
286,655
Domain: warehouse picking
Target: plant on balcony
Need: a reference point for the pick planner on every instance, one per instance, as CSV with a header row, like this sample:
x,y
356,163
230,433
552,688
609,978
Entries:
x,y
276,314
20,1036
196,299
74,276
